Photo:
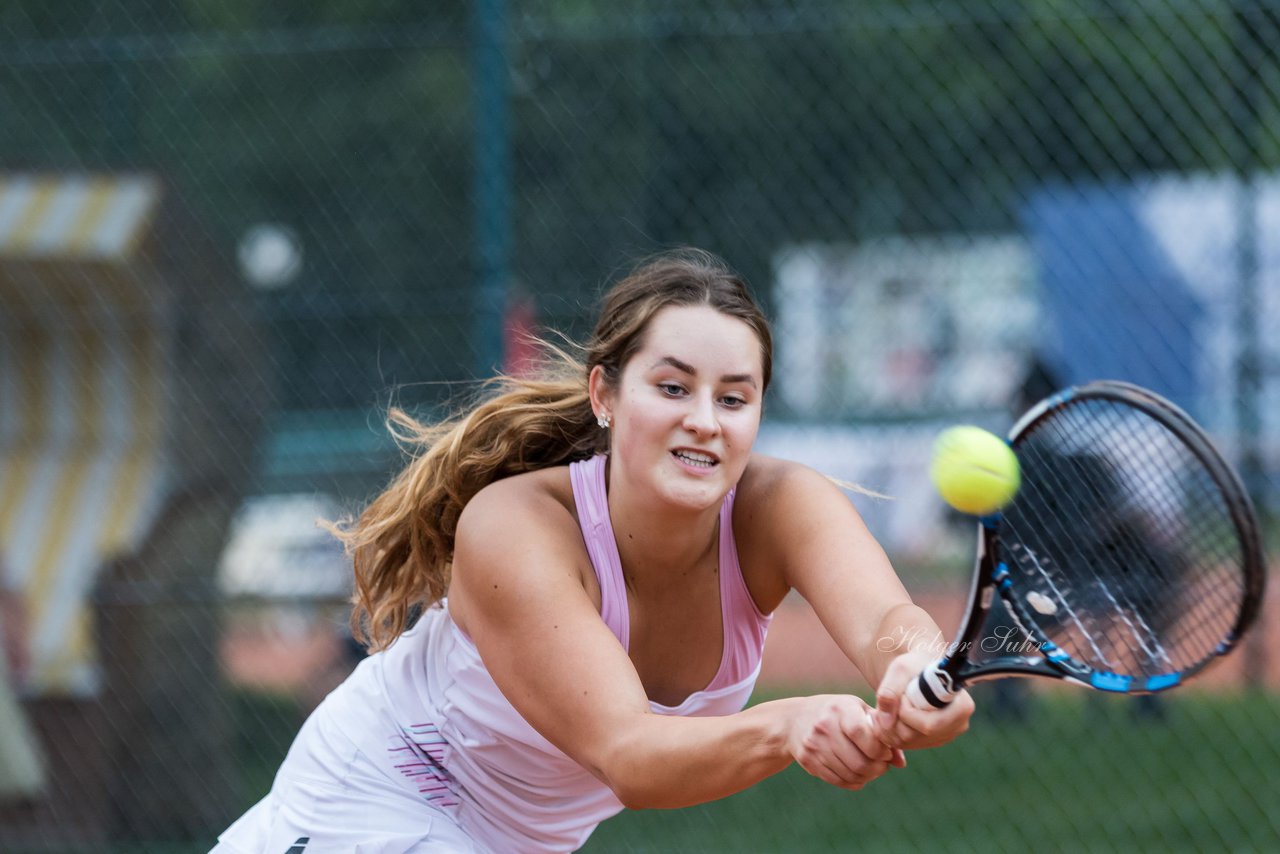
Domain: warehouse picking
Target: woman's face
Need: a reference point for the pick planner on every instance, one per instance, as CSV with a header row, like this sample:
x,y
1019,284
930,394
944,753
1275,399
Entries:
x,y
687,407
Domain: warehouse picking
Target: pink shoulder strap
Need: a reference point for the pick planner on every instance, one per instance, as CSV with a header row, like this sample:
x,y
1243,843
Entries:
x,y
593,517
744,626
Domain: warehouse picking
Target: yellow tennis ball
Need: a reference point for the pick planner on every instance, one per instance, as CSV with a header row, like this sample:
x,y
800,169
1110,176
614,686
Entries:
x,y
974,471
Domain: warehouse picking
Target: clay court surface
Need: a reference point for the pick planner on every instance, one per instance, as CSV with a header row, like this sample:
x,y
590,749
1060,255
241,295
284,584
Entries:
x,y
798,654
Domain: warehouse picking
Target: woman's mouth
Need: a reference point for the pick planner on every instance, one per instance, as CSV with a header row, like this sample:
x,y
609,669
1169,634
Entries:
x,y
697,459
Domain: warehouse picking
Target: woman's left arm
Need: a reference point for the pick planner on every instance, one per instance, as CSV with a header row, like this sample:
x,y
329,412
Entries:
x,y
807,534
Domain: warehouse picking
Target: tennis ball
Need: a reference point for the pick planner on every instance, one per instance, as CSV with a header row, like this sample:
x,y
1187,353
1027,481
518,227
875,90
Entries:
x,y
974,471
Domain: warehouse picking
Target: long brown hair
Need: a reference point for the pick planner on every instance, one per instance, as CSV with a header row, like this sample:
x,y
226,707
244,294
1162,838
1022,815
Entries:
x,y
402,544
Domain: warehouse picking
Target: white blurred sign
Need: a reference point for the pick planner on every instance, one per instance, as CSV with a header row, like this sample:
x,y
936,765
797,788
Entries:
x,y
278,551
903,326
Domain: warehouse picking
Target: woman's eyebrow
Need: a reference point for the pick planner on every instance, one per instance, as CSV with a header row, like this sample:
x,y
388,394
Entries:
x,y
685,367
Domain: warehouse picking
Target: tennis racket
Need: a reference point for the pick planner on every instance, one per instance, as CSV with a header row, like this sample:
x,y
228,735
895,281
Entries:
x,y
1128,561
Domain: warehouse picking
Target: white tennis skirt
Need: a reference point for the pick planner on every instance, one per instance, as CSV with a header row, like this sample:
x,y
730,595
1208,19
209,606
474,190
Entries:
x,y
329,798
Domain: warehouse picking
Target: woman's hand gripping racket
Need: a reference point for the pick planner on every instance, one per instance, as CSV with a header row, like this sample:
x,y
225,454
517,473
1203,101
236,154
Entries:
x,y
1129,559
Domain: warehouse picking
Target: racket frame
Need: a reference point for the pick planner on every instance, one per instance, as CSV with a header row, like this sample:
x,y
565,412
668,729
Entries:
x,y
938,684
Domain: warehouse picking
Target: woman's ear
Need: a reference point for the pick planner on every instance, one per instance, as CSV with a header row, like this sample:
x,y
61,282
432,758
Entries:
x,y
600,392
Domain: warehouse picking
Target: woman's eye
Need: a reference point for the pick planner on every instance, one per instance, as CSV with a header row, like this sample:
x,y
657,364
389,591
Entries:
x,y
734,402
671,389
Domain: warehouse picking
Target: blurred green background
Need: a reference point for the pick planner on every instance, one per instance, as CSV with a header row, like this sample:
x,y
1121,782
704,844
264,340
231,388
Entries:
x,y
232,233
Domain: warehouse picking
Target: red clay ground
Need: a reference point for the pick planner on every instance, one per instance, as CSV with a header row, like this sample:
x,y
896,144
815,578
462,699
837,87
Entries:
x,y
798,655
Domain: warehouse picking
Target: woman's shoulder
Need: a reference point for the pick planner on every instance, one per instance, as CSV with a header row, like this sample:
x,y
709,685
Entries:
x,y
527,520
546,494
532,510
774,508
773,478
775,495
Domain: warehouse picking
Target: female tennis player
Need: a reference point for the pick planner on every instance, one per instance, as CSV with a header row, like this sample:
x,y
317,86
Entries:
x,y
611,551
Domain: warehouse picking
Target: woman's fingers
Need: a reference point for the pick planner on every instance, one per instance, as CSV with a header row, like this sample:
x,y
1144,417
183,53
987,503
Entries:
x,y
839,744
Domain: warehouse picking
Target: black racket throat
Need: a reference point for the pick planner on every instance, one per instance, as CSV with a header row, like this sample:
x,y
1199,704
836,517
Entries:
x,y
994,642
1128,561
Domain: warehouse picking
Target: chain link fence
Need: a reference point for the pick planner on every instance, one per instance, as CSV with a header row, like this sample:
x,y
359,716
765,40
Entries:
x,y
231,234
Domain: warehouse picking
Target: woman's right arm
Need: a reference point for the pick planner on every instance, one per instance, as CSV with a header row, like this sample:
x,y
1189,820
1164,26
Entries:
x,y
517,591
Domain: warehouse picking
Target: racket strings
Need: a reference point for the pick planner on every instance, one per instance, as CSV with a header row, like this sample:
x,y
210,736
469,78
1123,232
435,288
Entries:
x,y
1075,497
1121,542
1188,523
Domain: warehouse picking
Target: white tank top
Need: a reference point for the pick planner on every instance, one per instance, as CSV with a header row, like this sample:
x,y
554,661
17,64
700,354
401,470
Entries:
x,y
429,715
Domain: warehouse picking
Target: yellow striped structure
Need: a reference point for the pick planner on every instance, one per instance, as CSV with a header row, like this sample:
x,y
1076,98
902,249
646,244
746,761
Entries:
x,y
82,400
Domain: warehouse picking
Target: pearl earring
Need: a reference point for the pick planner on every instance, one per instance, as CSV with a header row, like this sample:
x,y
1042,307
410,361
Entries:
x,y
603,421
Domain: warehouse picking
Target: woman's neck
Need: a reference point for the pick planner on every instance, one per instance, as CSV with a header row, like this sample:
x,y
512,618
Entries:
x,y
656,545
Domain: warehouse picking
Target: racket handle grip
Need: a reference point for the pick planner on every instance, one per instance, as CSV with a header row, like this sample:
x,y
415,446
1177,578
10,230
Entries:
x,y
934,688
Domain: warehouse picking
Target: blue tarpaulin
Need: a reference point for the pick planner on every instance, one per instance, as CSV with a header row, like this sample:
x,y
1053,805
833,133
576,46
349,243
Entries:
x,y
1116,305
